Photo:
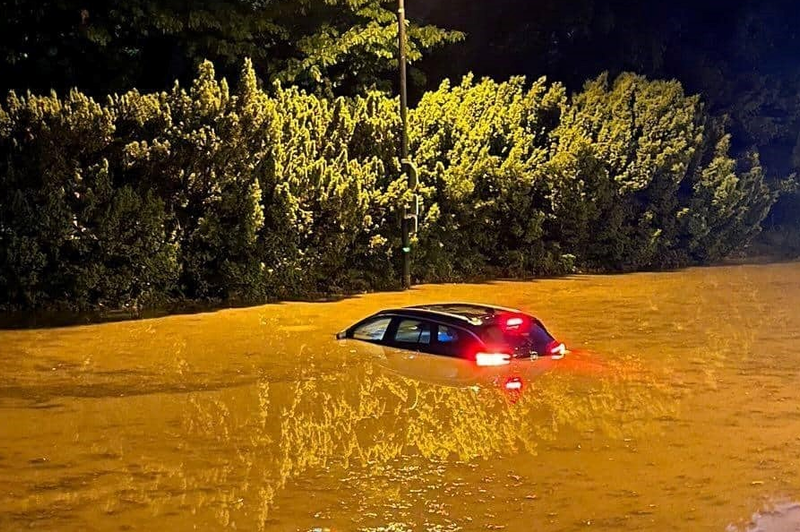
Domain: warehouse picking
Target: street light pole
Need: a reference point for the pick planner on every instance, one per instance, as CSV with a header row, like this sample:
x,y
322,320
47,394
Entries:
x,y
405,162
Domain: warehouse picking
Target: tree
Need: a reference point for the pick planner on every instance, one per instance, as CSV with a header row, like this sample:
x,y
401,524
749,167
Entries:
x,y
645,179
741,57
341,46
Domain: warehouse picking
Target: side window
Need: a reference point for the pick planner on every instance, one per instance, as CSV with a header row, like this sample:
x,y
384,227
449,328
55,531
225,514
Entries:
x,y
372,331
413,332
540,338
447,335
451,341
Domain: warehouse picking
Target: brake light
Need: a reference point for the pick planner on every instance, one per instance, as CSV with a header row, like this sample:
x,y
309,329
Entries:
x,y
492,359
558,350
515,324
512,323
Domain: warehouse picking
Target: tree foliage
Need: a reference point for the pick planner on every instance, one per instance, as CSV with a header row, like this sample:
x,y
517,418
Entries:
x,y
623,176
740,56
657,186
480,147
334,45
211,193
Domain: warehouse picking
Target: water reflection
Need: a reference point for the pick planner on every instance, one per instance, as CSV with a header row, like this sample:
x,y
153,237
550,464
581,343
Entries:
x,y
381,416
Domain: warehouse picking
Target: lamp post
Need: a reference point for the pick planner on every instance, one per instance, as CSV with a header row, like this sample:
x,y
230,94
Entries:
x,y
406,165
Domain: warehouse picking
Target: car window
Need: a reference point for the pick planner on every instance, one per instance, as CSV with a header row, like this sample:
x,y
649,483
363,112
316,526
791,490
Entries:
x,y
447,335
372,330
539,338
493,334
451,341
413,332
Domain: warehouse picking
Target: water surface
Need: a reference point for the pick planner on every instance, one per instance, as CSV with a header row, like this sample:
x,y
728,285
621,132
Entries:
x,y
679,409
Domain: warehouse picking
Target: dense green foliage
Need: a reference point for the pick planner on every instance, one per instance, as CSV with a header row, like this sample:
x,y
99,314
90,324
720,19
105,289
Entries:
x,y
209,193
103,47
740,56
623,177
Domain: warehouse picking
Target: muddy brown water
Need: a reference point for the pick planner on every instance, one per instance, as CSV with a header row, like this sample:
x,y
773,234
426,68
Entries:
x,y
678,409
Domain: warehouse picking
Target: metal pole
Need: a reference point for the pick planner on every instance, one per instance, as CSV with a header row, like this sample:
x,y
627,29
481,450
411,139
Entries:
x,y
404,160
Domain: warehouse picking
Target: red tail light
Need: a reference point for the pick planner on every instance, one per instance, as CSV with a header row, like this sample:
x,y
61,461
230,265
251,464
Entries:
x,y
513,322
556,348
492,359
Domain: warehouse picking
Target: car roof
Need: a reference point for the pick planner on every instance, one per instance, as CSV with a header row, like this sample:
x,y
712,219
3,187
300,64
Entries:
x,y
455,313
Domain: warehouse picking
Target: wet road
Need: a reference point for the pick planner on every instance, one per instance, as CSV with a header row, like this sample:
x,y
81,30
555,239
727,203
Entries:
x,y
679,409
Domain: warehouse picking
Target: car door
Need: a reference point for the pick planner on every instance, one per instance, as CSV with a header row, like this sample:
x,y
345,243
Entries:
x,y
429,352
411,334
452,341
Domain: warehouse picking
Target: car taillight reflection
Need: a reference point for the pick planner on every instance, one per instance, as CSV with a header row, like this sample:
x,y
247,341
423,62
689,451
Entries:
x,y
514,384
492,359
513,389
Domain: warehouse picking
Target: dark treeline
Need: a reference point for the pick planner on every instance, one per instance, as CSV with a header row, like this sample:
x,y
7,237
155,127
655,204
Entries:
x,y
329,46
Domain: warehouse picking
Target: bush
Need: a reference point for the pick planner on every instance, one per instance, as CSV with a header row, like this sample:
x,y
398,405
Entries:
x,y
480,148
72,229
248,195
644,179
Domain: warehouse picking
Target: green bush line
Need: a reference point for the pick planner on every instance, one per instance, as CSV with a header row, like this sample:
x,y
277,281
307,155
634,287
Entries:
x,y
254,195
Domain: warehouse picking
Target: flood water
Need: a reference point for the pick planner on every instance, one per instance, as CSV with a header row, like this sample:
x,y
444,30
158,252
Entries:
x,y
678,409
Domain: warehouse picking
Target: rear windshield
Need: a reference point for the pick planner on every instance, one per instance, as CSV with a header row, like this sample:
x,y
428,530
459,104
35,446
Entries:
x,y
533,334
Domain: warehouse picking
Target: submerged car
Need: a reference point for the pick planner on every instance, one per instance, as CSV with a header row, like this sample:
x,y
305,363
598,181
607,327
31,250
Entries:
x,y
485,334
452,372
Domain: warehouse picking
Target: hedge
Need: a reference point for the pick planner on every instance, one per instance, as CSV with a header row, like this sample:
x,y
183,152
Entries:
x,y
249,195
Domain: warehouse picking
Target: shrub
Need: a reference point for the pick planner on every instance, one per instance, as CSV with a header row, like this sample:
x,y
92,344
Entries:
x,y
480,148
72,230
208,193
644,179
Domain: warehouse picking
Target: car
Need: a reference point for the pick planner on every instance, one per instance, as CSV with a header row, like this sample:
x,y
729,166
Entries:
x,y
486,334
452,372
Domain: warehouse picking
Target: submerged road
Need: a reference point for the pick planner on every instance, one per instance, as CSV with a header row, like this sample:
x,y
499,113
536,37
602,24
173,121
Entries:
x,y
679,409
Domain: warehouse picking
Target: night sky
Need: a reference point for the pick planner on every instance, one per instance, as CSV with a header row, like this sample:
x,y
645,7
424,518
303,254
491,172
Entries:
x,y
573,39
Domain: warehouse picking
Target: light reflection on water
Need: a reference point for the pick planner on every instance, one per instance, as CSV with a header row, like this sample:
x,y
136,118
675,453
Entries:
x,y
678,410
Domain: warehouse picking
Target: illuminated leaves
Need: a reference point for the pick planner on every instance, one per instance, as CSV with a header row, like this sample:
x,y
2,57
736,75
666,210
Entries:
x,y
244,194
632,162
